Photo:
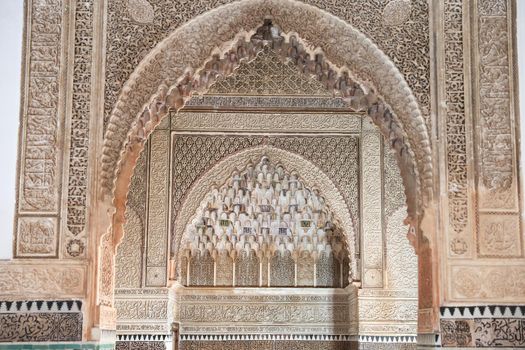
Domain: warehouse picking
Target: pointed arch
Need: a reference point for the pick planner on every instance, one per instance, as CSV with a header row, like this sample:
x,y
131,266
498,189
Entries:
x,y
188,60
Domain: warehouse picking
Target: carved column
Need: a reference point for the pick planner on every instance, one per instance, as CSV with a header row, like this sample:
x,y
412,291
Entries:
x,y
371,194
158,209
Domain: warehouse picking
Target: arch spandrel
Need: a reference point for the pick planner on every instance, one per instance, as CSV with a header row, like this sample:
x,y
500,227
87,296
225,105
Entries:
x,y
312,177
165,80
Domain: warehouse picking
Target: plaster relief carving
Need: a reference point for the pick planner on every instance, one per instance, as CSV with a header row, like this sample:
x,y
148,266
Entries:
x,y
263,211
179,97
37,236
372,238
128,261
496,114
77,190
401,260
499,235
129,267
397,12
141,310
51,281
457,126
266,310
384,309
39,168
500,282
267,75
337,156
408,45
226,167
141,11
269,122
157,239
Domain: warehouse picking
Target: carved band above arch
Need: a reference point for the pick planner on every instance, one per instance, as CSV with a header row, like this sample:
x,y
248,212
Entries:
x,y
189,60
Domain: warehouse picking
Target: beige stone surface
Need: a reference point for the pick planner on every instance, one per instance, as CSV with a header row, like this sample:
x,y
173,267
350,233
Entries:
x,y
104,83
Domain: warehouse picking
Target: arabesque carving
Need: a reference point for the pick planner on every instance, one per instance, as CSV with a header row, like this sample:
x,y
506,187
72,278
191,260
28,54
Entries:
x,y
40,281
456,127
407,110
77,190
40,168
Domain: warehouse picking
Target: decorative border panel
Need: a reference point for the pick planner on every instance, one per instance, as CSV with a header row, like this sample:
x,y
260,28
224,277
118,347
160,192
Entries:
x,y
41,137
41,281
499,232
457,127
371,210
276,311
40,321
76,216
158,209
491,326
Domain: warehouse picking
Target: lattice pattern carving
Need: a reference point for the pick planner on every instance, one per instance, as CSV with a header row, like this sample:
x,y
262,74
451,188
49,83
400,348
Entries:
x,y
247,269
327,271
224,265
282,270
201,269
268,75
305,270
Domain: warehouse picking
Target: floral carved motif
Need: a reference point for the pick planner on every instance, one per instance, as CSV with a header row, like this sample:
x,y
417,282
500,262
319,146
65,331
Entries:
x,y
80,117
499,282
397,12
409,107
40,169
456,128
496,150
36,236
499,234
41,281
372,238
141,11
158,196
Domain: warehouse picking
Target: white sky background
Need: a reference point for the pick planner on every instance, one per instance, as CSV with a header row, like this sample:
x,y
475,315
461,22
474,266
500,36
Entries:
x,y
11,28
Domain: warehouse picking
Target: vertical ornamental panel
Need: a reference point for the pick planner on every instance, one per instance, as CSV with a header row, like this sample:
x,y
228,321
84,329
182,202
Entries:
x,y
372,233
499,231
457,128
157,241
75,235
41,138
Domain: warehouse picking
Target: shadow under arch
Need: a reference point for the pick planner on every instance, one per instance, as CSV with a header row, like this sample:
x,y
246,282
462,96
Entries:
x,y
189,60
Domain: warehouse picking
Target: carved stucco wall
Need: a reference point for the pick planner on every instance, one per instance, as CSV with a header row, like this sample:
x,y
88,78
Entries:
x,y
401,32
60,116
194,151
